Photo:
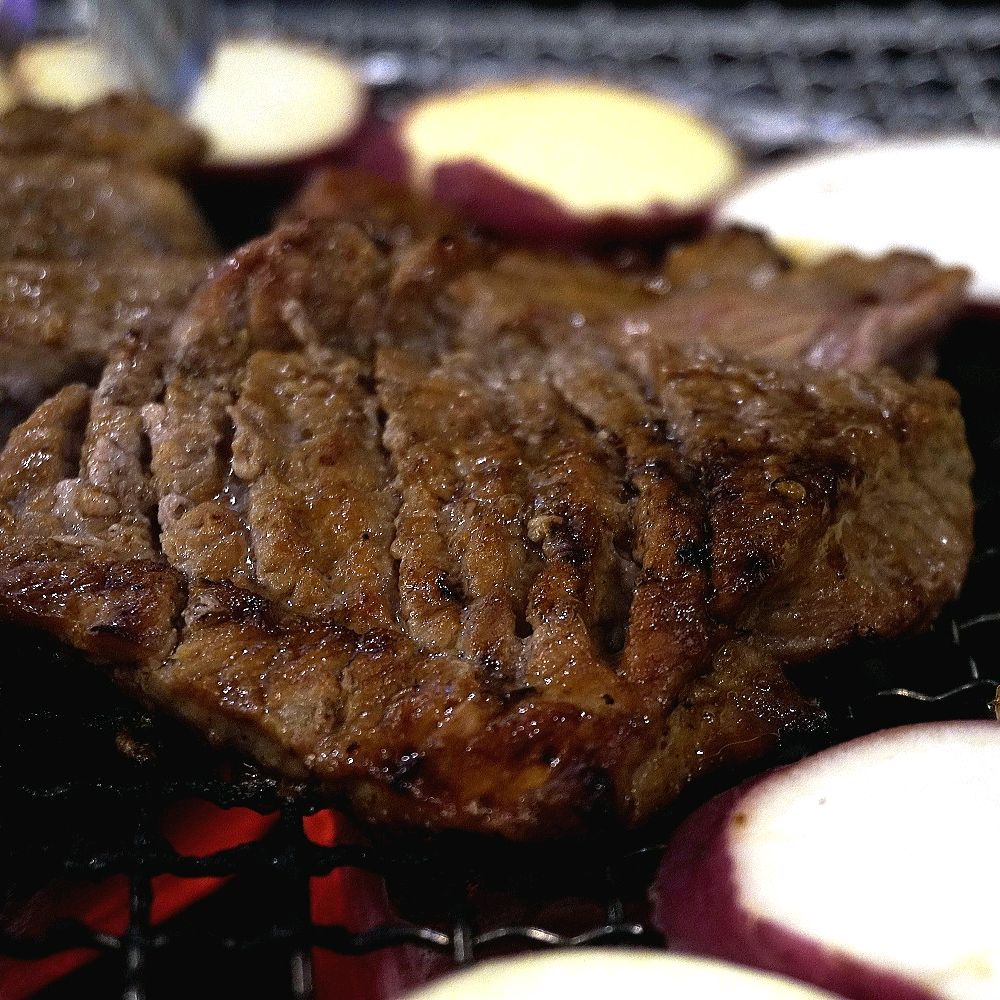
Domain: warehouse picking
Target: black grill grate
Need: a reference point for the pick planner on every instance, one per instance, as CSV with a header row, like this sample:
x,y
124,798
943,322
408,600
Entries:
x,y
773,78
85,778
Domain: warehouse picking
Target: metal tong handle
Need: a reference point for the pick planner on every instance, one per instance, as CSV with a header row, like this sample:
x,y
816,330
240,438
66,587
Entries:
x,y
164,44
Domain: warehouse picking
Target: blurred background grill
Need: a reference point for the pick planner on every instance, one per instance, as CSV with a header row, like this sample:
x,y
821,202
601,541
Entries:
x,y
85,776
774,78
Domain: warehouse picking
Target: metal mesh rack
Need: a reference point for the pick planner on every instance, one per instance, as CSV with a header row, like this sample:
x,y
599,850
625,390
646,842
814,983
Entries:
x,y
85,778
774,78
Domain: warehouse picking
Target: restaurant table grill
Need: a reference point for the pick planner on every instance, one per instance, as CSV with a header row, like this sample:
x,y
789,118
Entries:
x,y
84,775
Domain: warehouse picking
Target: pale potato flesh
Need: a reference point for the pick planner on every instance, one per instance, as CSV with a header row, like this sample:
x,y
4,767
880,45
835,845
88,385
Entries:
x,y
567,140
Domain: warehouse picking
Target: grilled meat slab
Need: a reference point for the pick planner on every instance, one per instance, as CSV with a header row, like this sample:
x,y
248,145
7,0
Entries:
x,y
95,244
59,320
731,289
388,213
56,207
528,588
126,128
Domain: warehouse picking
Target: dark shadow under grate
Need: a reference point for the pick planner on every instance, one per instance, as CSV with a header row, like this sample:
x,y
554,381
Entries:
x,y
85,778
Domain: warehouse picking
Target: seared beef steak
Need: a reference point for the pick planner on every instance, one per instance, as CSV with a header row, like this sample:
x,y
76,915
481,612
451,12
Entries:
x,y
388,213
732,289
326,284
56,207
121,127
527,588
92,249
60,319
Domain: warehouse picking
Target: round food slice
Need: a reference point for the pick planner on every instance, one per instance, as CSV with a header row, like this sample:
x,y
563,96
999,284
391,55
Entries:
x,y
265,105
67,72
935,195
863,869
270,103
597,973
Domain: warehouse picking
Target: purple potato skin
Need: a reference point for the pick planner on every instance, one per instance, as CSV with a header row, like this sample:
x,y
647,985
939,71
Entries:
x,y
983,309
375,150
294,169
241,202
696,905
496,202
493,201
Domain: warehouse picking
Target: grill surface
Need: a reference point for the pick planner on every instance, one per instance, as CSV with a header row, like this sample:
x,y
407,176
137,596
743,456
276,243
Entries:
x,y
774,78
85,776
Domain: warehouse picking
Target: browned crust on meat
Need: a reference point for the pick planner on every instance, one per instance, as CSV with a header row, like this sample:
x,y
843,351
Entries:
x,y
57,207
98,244
530,587
390,214
124,127
59,320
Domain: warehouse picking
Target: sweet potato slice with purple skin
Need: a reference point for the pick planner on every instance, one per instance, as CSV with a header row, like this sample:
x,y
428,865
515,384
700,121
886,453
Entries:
x,y
546,161
595,972
862,200
269,108
811,869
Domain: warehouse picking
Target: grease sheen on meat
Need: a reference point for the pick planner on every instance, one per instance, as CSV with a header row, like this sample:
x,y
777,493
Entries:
x,y
127,128
56,207
59,320
96,245
531,586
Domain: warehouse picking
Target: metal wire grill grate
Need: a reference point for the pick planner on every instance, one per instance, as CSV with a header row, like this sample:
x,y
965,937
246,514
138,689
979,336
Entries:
x,y
774,78
84,790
